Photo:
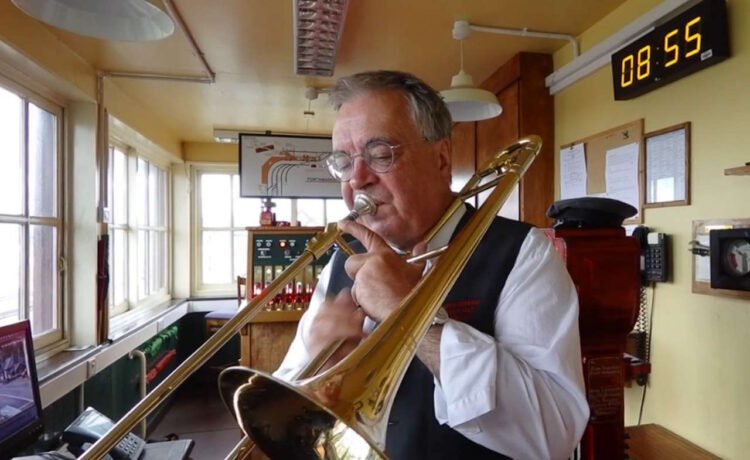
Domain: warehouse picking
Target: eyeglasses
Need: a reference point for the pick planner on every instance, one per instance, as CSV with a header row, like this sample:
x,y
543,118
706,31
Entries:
x,y
378,156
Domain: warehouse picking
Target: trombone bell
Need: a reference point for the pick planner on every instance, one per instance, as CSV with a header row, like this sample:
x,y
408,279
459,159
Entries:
x,y
287,423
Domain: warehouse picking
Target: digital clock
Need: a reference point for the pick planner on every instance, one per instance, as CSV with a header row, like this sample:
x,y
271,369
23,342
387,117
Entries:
x,y
692,40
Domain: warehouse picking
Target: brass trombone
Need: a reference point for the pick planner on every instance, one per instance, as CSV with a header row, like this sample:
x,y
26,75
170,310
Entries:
x,y
342,412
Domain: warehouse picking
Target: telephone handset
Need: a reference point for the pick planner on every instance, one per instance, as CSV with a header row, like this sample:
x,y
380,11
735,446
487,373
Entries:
x,y
654,257
92,425
654,268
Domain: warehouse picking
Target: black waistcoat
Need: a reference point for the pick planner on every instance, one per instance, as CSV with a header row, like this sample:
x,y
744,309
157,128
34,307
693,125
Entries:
x,y
413,432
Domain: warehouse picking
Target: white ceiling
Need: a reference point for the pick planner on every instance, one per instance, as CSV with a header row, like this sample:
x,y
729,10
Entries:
x,y
249,45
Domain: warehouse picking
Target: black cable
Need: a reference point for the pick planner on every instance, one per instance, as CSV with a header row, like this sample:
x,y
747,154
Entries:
x,y
647,358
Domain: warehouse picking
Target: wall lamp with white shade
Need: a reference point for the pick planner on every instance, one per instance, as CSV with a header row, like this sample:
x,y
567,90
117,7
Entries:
x,y
123,20
465,101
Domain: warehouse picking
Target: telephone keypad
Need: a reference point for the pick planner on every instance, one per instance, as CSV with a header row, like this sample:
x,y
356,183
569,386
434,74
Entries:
x,y
655,262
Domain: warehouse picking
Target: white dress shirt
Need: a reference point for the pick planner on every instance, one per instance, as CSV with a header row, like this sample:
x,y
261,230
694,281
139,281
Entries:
x,y
520,392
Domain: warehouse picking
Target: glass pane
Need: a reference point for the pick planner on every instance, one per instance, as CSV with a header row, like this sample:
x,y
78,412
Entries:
x,y
161,209
310,212
11,163
42,278
336,210
141,191
215,200
240,254
157,196
216,258
157,261
111,260
118,265
42,163
10,273
246,210
283,209
153,177
119,186
142,264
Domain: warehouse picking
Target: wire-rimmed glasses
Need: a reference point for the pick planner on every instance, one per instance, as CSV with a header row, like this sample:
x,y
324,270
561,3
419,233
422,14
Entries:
x,y
378,155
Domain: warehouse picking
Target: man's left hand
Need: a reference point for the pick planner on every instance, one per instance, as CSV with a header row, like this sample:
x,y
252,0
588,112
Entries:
x,y
382,277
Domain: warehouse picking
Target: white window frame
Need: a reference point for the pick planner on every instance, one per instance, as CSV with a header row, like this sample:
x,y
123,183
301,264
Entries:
x,y
198,288
134,303
56,334
124,305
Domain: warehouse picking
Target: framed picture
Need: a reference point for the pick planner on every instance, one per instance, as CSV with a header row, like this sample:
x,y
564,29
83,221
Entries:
x,y
285,166
667,167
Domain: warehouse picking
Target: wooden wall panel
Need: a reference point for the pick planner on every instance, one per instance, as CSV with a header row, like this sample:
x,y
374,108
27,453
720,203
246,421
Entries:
x,y
497,133
527,109
536,116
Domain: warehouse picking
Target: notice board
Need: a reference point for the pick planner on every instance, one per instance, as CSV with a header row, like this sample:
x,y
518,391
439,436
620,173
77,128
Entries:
x,y
596,149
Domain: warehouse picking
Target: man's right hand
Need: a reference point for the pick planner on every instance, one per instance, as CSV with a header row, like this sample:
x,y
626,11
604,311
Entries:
x,y
338,318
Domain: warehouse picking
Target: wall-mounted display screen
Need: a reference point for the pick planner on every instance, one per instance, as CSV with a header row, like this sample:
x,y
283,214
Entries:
x,y
691,41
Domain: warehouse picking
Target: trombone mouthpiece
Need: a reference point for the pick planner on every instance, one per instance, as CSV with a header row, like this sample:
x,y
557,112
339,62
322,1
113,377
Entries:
x,y
363,205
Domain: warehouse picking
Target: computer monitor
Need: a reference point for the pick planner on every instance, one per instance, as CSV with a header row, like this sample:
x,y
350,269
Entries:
x,y
20,405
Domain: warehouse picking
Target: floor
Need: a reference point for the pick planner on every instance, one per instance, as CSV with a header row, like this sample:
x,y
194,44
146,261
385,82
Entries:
x,y
198,413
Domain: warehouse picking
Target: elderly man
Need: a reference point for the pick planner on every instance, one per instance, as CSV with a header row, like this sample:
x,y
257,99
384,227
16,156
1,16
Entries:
x,y
501,375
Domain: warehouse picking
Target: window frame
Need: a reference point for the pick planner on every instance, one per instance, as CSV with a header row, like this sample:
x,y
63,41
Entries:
x,y
134,304
50,338
197,287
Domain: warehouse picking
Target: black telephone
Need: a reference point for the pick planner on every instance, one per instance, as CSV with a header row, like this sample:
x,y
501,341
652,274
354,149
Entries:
x,y
654,256
92,425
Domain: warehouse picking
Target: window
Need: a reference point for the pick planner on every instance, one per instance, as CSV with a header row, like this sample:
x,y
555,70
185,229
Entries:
x,y
31,218
221,218
138,231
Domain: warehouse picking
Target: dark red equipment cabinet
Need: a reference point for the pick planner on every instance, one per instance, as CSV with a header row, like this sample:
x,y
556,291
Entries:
x,y
604,264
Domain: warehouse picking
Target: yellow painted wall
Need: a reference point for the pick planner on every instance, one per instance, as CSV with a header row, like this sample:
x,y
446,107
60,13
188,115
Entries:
x,y
701,370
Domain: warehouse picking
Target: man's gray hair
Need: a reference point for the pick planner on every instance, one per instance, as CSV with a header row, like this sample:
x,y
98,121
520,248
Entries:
x,y
428,111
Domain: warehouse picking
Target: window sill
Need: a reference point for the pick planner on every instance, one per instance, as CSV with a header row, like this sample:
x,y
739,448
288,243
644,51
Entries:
x,y
66,370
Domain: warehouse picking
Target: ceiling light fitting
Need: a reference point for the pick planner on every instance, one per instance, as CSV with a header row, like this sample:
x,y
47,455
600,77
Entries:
x,y
465,101
318,25
311,94
121,20
464,28
226,136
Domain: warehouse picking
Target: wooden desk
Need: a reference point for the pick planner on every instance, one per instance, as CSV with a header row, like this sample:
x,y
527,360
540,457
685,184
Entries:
x,y
654,442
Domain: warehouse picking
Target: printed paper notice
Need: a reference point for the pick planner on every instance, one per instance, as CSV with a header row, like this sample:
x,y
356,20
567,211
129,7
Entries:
x,y
573,171
622,174
665,167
